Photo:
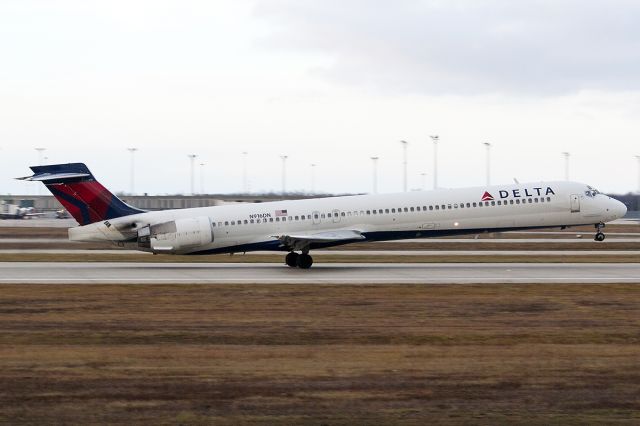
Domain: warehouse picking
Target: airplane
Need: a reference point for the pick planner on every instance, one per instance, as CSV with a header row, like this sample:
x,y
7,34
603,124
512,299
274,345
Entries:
x,y
299,226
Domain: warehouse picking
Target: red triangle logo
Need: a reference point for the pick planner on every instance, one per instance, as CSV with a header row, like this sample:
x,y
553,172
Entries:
x,y
487,197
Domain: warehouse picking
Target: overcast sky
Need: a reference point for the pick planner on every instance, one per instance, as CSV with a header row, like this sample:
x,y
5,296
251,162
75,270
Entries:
x,y
322,81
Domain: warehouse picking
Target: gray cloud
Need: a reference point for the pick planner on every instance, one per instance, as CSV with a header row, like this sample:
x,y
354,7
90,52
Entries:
x,y
466,46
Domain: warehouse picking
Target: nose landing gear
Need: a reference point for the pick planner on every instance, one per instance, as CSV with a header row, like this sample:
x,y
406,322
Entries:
x,y
599,234
302,261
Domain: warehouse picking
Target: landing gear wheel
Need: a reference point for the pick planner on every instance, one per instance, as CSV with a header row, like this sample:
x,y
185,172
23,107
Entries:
x,y
599,236
292,259
305,261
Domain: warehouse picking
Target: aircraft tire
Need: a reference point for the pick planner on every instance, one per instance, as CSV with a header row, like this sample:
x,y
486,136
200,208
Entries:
x,y
599,236
292,259
305,261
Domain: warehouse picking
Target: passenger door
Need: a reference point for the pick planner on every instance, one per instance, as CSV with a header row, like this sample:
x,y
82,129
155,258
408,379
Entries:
x,y
575,203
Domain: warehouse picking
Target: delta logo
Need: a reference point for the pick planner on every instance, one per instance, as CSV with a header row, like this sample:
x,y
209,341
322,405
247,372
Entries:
x,y
520,193
487,197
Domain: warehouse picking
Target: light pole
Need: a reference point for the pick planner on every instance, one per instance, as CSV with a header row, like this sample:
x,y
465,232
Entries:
x,y
313,178
40,152
488,145
245,182
424,181
192,158
375,174
202,178
566,165
435,139
284,173
404,164
132,187
638,158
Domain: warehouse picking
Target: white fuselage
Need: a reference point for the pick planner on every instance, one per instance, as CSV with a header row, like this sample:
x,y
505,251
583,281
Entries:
x,y
261,226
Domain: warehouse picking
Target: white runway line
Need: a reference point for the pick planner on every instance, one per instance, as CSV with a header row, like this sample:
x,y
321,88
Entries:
x,y
350,273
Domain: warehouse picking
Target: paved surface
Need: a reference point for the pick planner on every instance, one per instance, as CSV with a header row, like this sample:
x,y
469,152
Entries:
x,y
352,273
364,252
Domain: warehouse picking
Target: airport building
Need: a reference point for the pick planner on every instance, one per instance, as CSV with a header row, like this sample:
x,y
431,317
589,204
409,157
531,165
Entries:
x,y
46,203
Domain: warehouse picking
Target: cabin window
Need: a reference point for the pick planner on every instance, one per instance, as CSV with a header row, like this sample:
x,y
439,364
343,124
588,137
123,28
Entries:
x,y
349,214
297,217
213,224
474,205
233,222
542,200
386,211
437,207
418,208
343,214
462,205
530,200
226,223
321,216
517,201
535,200
411,209
284,219
406,209
219,223
430,207
374,212
380,211
277,220
315,216
393,210
549,199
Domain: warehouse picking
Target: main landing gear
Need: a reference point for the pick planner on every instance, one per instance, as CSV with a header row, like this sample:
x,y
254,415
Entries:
x,y
302,261
599,234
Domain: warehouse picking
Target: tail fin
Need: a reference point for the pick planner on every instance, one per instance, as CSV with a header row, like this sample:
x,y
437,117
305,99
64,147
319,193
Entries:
x,y
80,193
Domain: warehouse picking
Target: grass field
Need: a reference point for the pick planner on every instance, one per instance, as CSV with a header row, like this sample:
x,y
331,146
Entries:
x,y
320,354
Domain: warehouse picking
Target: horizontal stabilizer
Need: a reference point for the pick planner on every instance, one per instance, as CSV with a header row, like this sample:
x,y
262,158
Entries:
x,y
59,173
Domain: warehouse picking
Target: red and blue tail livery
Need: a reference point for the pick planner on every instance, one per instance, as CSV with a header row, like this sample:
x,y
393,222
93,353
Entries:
x,y
80,193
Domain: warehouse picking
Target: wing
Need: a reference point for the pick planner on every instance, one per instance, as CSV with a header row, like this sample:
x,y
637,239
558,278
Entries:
x,y
302,241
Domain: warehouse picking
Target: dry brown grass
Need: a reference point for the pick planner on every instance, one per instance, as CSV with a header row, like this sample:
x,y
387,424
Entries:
x,y
320,354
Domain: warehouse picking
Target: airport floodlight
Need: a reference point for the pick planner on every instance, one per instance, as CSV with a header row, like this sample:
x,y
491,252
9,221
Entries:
x,y
192,158
202,178
245,180
488,165
132,187
435,139
375,174
404,164
566,156
40,151
638,158
313,178
284,173
424,181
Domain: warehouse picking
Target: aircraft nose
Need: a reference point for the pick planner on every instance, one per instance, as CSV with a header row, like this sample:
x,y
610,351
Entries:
x,y
619,209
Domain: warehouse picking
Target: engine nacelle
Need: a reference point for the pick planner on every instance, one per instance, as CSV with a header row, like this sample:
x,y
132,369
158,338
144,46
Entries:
x,y
179,236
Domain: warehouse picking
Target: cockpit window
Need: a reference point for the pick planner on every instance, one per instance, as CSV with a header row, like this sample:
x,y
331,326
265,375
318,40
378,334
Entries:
x,y
592,192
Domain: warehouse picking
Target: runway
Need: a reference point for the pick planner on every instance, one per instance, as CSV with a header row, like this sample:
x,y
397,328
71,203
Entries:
x,y
346,273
